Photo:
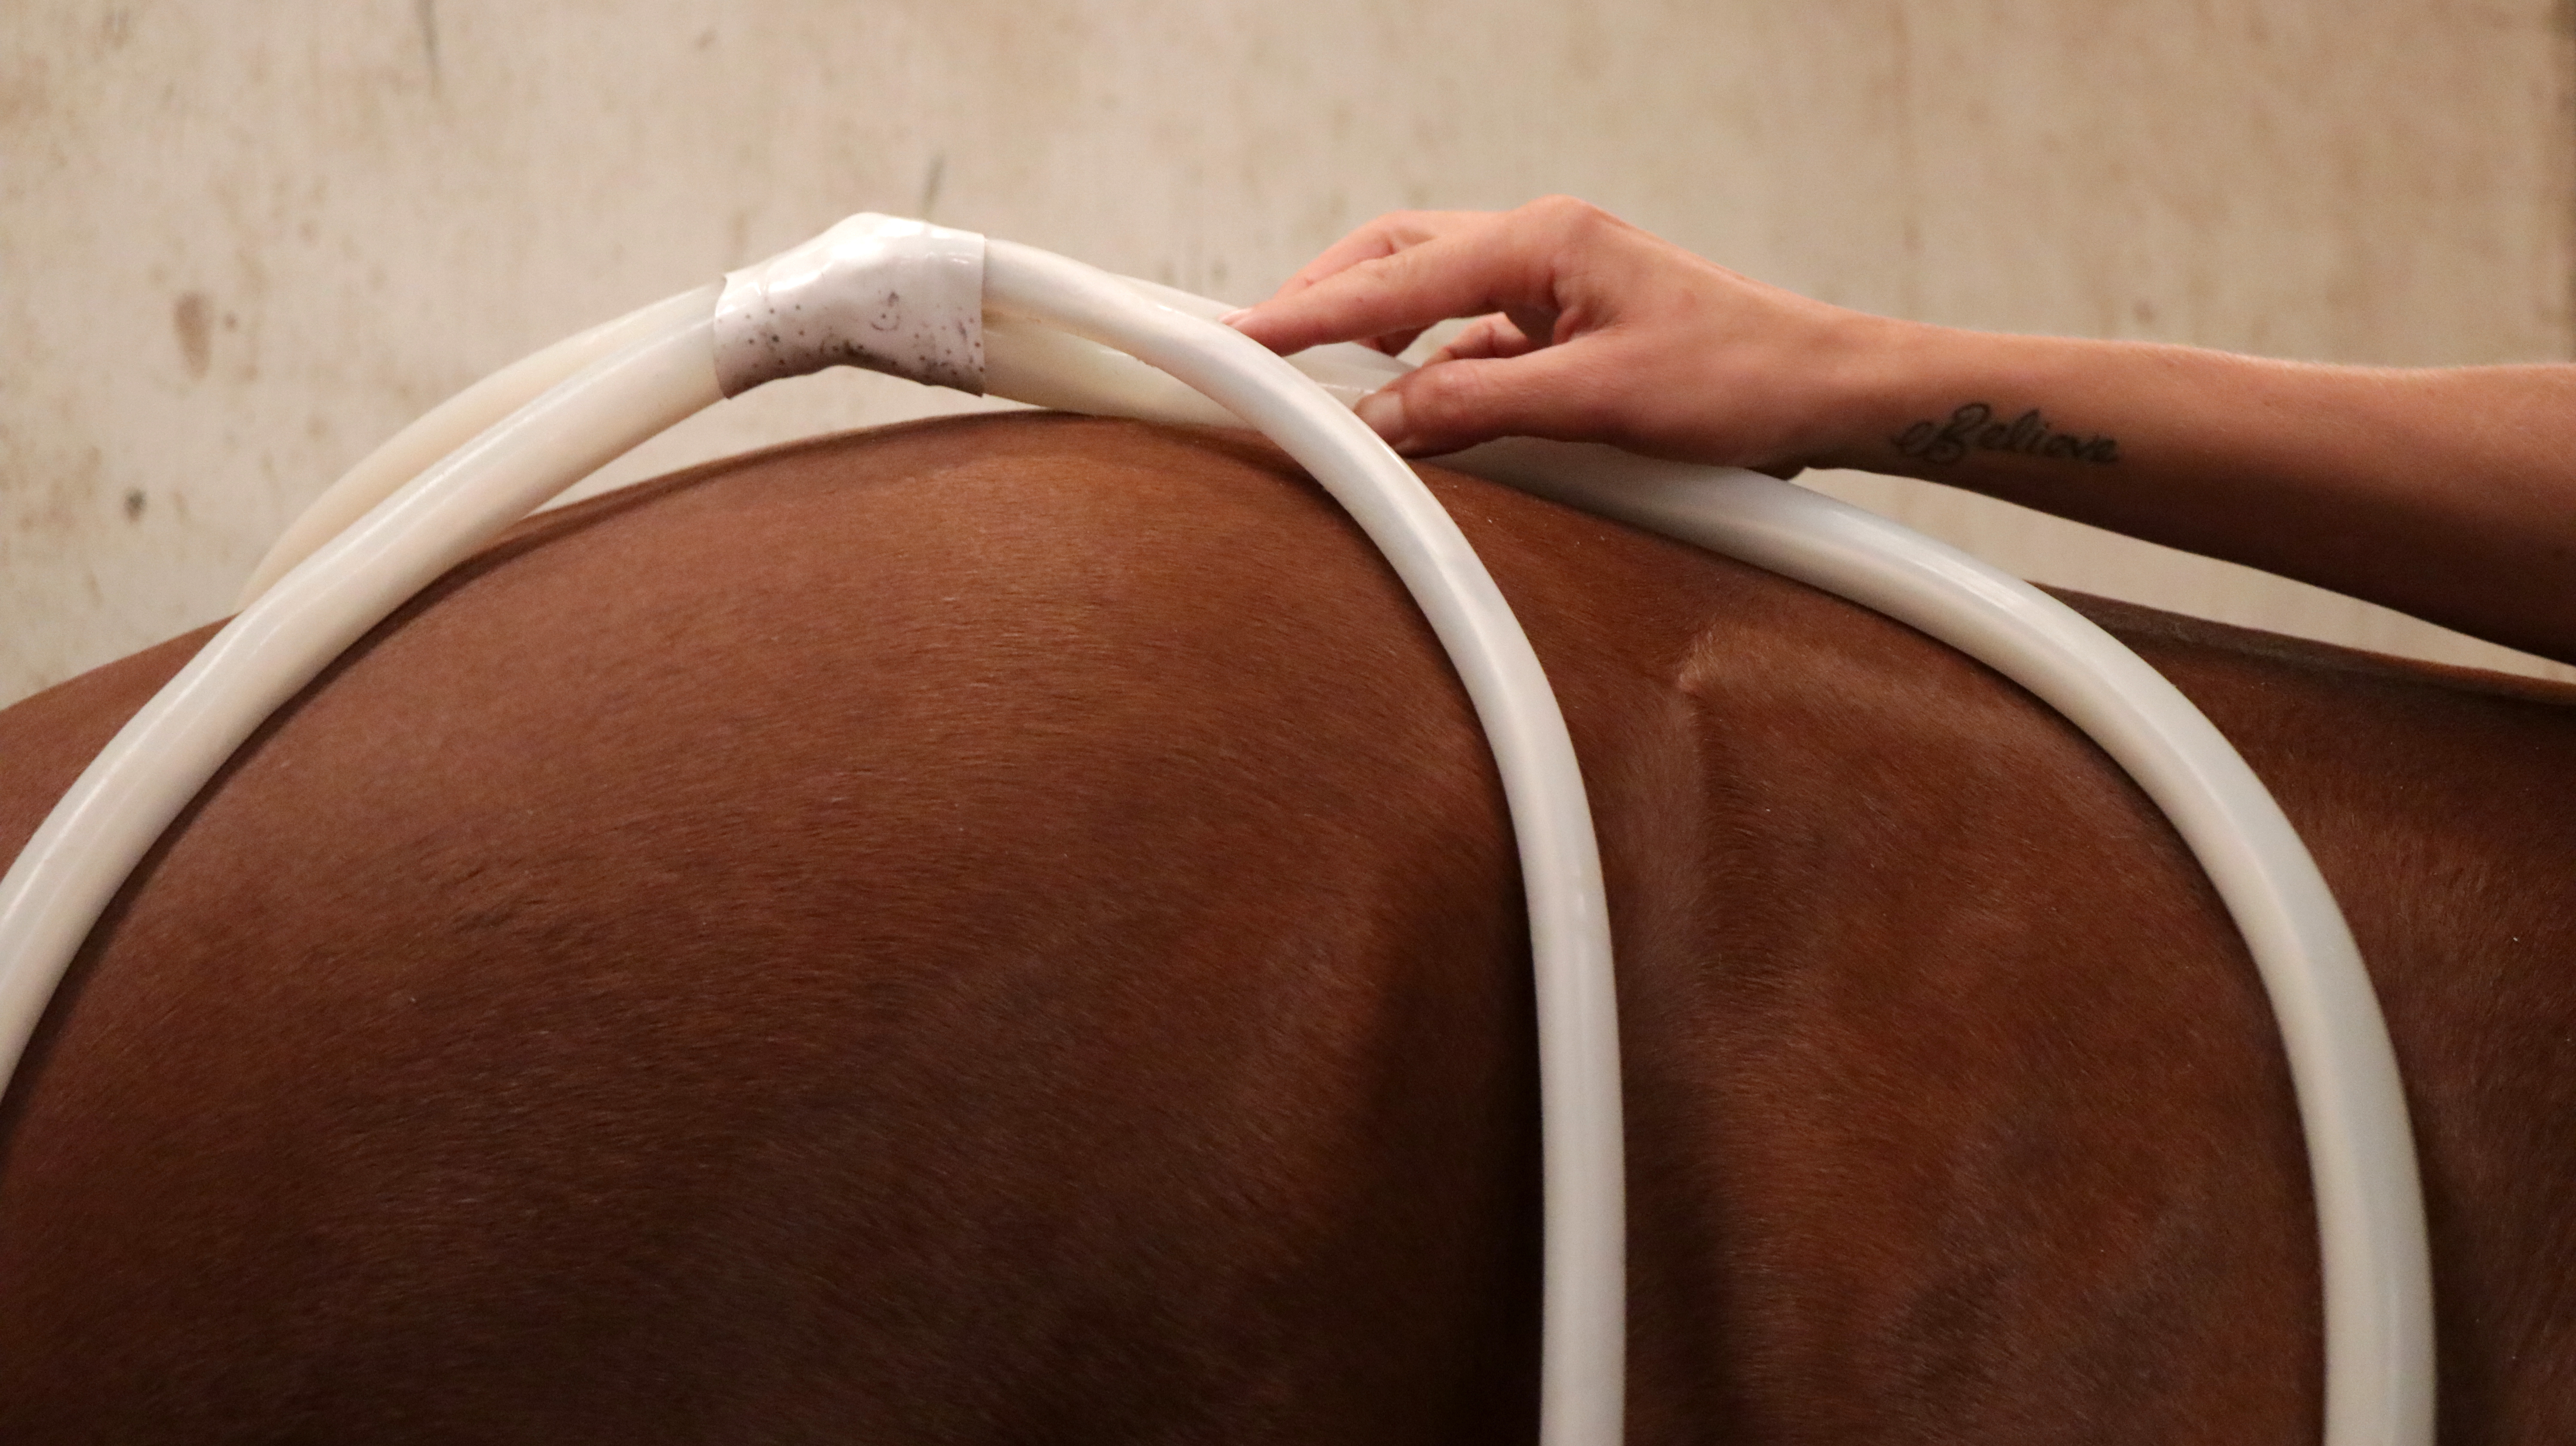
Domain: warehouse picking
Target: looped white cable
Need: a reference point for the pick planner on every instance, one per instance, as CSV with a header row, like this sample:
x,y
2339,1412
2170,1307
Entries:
x,y
632,379
1583,1284
898,285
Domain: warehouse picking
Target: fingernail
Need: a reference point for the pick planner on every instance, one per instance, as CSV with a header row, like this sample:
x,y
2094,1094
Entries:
x,y
1384,412
1238,314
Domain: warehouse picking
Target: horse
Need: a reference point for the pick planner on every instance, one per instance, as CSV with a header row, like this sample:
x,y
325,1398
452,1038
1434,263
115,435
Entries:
x,y
1005,929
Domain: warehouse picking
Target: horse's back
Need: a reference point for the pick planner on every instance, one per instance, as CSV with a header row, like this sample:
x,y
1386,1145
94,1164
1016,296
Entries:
x,y
945,936
1007,928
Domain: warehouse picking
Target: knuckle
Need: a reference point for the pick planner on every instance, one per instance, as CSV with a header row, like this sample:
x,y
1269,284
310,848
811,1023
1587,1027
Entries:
x,y
1568,216
1593,414
1438,396
1578,406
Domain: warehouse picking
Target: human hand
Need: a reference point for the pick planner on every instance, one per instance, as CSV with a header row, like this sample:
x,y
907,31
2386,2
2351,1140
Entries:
x,y
1587,329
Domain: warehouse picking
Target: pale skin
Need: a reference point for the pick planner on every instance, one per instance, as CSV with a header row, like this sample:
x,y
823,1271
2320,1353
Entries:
x,y
2447,493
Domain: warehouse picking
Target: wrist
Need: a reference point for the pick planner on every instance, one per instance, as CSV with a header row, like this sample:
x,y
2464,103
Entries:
x,y
1942,403
1892,379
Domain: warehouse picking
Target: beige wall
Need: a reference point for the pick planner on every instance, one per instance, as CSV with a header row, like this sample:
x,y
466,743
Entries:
x,y
243,240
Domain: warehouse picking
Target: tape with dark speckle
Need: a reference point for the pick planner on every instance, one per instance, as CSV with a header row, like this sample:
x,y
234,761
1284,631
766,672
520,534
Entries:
x,y
880,292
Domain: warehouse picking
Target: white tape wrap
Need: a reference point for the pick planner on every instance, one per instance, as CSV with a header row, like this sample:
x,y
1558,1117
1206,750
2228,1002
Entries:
x,y
880,292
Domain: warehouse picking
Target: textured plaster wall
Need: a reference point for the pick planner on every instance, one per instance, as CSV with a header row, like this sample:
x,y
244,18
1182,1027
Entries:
x,y
241,241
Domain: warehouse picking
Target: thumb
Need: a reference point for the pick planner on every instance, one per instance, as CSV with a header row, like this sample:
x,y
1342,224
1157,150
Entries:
x,y
1553,392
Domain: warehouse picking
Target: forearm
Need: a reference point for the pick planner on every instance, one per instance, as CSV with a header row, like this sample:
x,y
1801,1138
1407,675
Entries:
x,y
2448,494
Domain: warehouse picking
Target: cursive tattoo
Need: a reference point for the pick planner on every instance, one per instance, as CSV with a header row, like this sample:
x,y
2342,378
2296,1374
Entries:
x,y
1974,425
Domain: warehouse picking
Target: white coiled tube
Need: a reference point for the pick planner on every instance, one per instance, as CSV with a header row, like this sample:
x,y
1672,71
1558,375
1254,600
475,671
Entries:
x,y
2370,1217
57,888
2379,1375
1582,1352
2378,1273
453,423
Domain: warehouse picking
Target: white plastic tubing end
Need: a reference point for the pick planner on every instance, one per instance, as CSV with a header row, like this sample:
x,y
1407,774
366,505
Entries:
x,y
879,292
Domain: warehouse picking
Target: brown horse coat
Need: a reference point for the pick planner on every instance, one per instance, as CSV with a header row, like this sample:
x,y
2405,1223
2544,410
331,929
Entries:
x,y
1005,930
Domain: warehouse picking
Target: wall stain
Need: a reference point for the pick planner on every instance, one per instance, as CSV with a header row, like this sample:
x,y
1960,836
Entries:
x,y
58,507
134,500
426,12
930,184
189,320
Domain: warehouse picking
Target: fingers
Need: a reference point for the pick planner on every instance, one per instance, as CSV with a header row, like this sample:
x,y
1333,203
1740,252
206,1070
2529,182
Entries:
x,y
1585,329
1553,392
1375,241
1487,337
1380,238
1402,274
1547,284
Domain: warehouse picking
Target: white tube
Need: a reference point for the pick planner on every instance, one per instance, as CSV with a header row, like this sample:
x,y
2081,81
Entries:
x,y
75,863
453,423
2379,1383
1046,368
2361,1151
2373,1256
1049,368
53,894
1582,1364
